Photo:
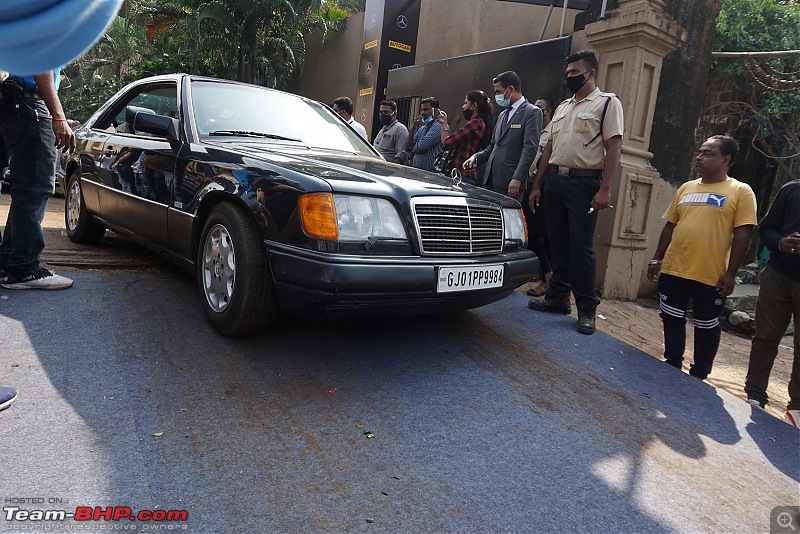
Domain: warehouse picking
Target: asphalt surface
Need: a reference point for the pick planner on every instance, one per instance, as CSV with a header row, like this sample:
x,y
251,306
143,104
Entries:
x,y
493,420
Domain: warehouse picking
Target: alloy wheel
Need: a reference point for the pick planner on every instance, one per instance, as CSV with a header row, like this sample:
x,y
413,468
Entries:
x,y
73,205
218,268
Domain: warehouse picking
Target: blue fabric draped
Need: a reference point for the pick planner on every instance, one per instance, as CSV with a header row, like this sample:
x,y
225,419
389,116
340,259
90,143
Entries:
x,y
41,35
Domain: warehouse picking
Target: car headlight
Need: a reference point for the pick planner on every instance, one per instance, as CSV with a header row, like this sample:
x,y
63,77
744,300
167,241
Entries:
x,y
514,224
349,218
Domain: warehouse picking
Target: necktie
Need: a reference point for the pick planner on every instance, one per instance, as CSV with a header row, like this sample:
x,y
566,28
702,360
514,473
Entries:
x,y
505,120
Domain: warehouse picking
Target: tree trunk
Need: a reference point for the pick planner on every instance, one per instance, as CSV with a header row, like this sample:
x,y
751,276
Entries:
x,y
245,70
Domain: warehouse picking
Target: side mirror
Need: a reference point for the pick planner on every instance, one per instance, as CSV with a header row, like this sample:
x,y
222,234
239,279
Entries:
x,y
157,125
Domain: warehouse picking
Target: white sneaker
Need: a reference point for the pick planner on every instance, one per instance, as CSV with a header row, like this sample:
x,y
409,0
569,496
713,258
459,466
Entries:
x,y
40,279
793,417
755,404
7,396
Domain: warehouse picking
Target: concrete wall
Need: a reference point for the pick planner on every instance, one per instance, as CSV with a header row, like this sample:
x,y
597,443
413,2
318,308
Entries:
x,y
451,29
447,29
332,72
682,90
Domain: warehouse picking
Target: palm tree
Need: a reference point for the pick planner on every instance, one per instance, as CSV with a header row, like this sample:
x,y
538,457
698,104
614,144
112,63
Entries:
x,y
265,36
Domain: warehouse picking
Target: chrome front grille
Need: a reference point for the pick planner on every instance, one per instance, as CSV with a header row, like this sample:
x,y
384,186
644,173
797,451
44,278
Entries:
x,y
458,226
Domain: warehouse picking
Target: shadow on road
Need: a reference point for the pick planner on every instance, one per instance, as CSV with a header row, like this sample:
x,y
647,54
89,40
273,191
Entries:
x,y
489,420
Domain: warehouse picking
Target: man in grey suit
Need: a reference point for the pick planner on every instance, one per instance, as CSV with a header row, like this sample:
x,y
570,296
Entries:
x,y
515,140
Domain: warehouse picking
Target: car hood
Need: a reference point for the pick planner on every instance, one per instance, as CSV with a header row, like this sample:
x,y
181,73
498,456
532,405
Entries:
x,y
349,173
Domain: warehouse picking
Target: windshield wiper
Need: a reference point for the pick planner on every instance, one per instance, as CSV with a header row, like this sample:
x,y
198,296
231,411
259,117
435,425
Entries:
x,y
242,133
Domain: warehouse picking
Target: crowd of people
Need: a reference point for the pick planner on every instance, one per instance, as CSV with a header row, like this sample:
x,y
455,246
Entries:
x,y
559,163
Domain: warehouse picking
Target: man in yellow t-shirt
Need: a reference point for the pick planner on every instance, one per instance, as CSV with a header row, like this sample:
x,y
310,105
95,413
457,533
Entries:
x,y
701,248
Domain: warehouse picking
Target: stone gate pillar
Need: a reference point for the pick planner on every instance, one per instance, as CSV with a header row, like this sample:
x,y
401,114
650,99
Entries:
x,y
631,44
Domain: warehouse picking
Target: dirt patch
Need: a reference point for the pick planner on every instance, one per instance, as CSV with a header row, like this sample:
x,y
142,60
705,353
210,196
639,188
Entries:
x,y
638,324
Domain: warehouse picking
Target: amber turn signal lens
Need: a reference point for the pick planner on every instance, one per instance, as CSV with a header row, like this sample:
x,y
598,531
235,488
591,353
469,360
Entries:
x,y
318,216
525,226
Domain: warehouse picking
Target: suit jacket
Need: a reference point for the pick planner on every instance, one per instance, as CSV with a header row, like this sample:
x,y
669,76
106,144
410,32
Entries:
x,y
512,150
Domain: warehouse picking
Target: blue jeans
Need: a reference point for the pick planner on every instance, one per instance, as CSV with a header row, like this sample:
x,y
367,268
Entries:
x,y
570,233
29,136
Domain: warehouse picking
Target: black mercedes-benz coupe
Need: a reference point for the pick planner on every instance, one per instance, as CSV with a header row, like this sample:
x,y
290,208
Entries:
x,y
277,205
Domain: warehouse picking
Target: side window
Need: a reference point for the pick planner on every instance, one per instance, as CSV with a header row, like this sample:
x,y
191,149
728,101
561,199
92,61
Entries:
x,y
161,100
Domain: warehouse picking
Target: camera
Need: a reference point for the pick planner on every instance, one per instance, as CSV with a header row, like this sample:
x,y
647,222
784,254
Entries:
x,y
12,95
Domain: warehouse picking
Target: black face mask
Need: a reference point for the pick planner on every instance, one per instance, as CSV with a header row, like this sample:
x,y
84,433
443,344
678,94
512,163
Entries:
x,y
467,114
574,83
386,120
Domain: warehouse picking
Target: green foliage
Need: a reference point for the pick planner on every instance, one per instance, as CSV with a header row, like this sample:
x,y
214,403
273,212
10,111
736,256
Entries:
x,y
752,25
763,94
257,41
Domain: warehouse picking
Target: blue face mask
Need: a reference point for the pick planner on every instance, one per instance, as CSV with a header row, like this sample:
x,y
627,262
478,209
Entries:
x,y
429,120
502,101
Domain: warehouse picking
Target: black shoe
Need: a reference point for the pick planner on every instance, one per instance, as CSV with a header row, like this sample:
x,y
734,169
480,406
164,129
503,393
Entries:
x,y
697,374
586,321
553,304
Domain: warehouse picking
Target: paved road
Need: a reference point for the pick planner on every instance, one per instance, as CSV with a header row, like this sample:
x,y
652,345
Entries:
x,y
493,420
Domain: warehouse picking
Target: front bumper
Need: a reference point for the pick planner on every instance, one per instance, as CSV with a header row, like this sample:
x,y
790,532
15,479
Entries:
x,y
309,283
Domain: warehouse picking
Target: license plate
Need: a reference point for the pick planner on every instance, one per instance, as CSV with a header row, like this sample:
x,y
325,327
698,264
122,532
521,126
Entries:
x,y
469,278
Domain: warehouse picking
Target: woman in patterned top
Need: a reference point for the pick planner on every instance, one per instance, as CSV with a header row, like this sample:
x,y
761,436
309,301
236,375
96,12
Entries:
x,y
470,138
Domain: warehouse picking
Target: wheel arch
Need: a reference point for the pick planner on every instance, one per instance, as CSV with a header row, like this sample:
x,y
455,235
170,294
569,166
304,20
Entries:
x,y
208,202
71,167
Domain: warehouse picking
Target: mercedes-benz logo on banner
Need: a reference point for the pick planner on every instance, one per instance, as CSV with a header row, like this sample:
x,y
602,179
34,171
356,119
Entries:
x,y
368,68
396,66
363,115
402,21
374,21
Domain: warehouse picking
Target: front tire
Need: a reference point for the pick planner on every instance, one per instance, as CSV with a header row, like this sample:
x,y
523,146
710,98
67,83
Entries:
x,y
233,276
81,226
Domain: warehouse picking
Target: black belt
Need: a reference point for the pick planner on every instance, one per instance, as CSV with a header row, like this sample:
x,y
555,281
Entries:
x,y
577,173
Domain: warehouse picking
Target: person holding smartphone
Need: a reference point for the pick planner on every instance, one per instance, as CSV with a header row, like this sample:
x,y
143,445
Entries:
x,y
471,137
424,138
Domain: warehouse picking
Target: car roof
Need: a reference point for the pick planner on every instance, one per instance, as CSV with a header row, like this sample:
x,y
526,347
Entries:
x,y
178,77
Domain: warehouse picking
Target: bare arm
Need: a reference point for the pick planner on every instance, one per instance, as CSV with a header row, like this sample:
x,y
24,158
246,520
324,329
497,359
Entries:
x,y
741,240
541,172
663,243
610,166
65,139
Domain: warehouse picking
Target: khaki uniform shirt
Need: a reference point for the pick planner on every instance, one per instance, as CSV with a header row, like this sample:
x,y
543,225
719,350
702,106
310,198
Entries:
x,y
575,123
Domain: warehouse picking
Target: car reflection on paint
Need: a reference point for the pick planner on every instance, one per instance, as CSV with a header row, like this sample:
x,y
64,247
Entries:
x,y
276,205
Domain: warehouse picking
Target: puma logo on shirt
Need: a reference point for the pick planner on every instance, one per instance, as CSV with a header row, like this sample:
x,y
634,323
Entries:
x,y
703,199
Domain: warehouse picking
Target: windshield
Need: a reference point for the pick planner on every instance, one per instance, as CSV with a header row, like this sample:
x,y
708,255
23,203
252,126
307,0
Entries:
x,y
225,109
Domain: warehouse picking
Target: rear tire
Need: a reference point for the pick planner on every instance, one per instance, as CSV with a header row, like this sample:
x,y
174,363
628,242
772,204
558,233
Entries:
x,y
81,226
233,274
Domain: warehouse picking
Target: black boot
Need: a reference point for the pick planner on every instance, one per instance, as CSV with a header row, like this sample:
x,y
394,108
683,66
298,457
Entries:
x,y
558,303
586,321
